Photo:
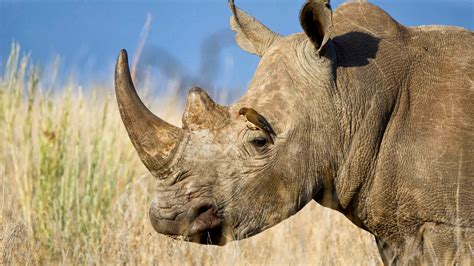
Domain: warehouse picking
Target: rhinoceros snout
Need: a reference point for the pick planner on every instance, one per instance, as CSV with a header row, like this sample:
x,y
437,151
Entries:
x,y
200,224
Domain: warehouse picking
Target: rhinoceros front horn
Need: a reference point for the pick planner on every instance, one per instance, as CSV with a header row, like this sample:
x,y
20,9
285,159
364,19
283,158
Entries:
x,y
154,139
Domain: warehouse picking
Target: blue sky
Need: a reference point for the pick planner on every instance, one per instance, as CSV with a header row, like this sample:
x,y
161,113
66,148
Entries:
x,y
87,35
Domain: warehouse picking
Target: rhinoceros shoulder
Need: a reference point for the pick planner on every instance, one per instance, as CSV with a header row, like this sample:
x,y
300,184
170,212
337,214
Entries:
x,y
362,20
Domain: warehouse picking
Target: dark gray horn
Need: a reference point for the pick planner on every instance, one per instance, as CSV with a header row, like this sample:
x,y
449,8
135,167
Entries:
x,y
154,139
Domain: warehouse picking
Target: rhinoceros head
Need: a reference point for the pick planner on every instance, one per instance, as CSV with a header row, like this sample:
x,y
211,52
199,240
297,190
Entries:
x,y
220,179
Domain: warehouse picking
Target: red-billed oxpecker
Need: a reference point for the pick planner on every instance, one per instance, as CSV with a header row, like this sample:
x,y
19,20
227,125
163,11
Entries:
x,y
258,121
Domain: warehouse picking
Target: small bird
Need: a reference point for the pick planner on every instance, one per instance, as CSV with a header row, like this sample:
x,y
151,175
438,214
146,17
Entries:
x,y
258,121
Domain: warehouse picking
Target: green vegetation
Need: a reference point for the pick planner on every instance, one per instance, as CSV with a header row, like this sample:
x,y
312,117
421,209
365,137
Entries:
x,y
61,157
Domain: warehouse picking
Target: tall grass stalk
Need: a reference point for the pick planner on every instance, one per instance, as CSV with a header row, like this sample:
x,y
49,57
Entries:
x,y
63,157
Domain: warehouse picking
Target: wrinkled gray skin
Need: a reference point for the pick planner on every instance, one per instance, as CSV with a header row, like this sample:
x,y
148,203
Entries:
x,y
374,119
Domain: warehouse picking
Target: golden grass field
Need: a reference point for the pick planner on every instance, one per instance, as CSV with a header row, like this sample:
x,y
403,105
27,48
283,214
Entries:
x,y
73,191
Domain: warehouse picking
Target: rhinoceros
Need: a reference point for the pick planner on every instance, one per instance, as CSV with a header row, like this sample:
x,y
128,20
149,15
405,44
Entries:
x,y
372,119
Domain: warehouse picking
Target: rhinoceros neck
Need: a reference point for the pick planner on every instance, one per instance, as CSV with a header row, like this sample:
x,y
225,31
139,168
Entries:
x,y
371,74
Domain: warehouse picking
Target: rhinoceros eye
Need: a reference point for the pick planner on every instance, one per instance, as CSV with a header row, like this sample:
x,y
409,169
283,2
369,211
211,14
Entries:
x,y
259,142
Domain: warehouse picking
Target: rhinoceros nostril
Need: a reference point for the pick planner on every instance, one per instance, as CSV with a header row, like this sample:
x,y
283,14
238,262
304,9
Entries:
x,y
204,209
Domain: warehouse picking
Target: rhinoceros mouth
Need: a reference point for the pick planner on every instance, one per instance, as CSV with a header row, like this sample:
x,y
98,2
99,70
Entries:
x,y
205,220
206,228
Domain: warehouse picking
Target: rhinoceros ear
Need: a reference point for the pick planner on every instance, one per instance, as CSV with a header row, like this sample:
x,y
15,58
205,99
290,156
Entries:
x,y
316,19
202,112
251,35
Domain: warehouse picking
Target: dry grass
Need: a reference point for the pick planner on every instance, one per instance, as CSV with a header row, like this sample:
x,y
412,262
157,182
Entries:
x,y
74,191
